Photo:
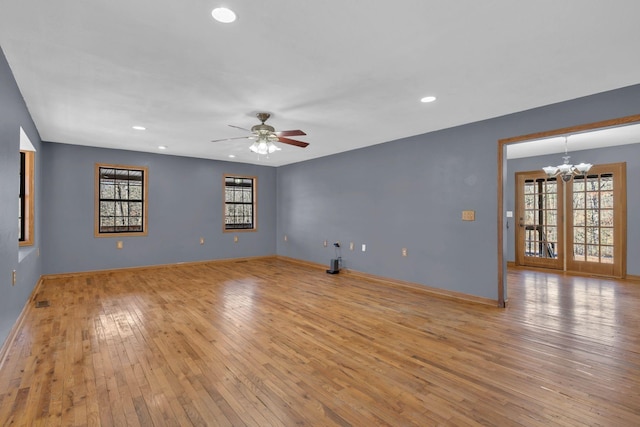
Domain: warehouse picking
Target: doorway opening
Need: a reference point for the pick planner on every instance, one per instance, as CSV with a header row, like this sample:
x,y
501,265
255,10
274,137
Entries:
x,y
502,180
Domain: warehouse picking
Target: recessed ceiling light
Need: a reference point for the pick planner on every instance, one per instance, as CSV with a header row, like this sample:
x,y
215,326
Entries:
x,y
139,127
427,99
232,156
162,147
224,15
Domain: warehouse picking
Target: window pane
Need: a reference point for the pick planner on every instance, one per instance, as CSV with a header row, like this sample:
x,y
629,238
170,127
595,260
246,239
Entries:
x,y
551,217
592,216
579,235
606,217
247,197
107,191
239,201
122,208
107,224
107,208
579,253
552,234
551,187
606,183
592,235
135,209
121,205
578,200
135,191
593,200
606,236
578,218
528,201
593,183
528,217
606,254
606,199
552,201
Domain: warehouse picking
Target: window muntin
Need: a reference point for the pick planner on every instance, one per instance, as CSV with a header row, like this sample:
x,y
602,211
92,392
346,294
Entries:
x,y
121,202
239,203
26,199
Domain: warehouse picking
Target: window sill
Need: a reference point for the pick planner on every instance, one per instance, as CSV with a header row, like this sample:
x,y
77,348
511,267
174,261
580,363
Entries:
x,y
24,252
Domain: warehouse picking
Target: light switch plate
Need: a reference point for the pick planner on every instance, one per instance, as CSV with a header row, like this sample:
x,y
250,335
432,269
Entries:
x,y
468,215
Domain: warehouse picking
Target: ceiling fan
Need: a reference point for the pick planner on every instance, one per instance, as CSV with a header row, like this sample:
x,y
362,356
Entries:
x,y
264,136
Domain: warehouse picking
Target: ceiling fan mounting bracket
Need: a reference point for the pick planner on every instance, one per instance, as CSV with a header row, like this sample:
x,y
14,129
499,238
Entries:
x,y
263,117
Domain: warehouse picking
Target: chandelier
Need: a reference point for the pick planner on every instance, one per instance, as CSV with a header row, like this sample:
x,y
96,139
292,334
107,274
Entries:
x,y
566,170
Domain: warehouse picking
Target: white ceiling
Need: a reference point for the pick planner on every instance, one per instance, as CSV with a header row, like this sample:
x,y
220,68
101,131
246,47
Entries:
x,y
348,73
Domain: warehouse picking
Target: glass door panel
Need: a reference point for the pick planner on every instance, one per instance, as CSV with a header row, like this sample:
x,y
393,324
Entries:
x,y
538,233
598,213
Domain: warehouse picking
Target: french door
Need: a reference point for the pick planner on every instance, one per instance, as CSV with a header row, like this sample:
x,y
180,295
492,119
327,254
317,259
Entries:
x,y
590,238
539,213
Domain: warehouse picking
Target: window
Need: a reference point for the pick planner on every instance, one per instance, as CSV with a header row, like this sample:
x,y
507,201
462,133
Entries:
x,y
26,199
239,203
121,200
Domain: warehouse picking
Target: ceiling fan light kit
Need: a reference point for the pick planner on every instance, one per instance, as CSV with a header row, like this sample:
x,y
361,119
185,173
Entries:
x,y
264,146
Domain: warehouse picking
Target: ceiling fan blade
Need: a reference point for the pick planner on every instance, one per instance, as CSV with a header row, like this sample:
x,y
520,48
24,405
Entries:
x,y
238,127
229,139
292,142
290,133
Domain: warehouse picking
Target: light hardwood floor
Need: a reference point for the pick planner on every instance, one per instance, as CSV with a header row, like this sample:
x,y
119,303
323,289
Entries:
x,y
271,343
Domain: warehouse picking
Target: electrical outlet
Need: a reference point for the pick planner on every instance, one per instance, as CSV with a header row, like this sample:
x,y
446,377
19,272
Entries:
x,y
235,239
325,243
364,247
13,278
286,238
351,246
202,240
119,244
404,251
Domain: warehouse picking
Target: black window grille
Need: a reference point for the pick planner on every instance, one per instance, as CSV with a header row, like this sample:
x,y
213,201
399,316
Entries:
x,y
121,200
239,209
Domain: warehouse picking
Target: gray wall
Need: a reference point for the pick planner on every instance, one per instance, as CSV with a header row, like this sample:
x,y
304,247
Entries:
x,y
185,202
13,115
406,193
623,153
411,193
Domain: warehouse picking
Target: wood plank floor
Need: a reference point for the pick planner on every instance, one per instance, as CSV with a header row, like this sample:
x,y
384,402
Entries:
x,y
271,343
